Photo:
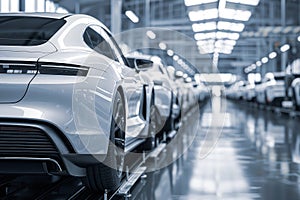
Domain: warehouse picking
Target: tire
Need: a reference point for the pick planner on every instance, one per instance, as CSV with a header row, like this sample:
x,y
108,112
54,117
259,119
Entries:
x,y
294,98
170,122
108,174
150,142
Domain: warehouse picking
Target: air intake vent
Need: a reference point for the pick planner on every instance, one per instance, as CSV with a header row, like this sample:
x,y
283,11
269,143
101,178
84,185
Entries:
x,y
25,141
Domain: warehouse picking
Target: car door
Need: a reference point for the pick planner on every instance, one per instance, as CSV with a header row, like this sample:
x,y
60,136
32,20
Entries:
x,y
130,82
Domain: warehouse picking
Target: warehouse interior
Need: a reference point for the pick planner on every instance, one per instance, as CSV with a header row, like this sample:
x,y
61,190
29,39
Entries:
x,y
237,64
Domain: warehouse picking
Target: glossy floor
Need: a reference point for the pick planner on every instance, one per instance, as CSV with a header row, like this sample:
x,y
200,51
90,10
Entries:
x,y
256,156
225,151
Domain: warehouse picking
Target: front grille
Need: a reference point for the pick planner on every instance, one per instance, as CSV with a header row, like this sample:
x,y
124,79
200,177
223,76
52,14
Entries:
x,y
23,141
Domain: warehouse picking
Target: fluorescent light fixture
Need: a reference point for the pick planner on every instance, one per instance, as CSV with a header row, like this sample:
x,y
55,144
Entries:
x,y
225,51
197,2
179,61
204,36
298,38
264,60
61,10
272,55
203,14
30,6
170,52
205,42
239,15
14,5
284,48
175,57
50,6
236,27
206,48
222,44
40,6
151,35
222,5
246,2
188,79
4,6
132,16
258,63
204,26
231,36
246,70
162,46
185,75
230,42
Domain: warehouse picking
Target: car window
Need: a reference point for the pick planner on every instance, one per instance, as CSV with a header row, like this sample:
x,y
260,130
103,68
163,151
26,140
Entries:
x,y
120,56
131,62
96,42
27,31
279,78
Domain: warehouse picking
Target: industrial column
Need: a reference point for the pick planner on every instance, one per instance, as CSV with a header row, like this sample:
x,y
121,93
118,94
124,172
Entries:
x,y
116,16
283,39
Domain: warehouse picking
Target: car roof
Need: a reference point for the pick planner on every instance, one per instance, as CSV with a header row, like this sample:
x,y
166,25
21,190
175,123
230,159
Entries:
x,y
54,16
46,15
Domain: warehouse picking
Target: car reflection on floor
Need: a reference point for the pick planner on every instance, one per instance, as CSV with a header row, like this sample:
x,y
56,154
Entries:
x,y
256,157
227,151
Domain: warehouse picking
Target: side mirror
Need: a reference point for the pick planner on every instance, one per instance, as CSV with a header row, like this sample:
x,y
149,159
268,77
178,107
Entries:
x,y
142,64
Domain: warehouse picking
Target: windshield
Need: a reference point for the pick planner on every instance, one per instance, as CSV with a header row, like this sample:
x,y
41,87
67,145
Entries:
x,y
27,31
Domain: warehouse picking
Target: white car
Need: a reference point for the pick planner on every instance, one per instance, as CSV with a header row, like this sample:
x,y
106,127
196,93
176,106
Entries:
x,y
250,93
272,89
293,72
235,90
166,108
69,103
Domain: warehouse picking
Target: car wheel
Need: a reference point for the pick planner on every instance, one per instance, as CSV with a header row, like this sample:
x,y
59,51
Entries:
x,y
149,144
294,98
108,174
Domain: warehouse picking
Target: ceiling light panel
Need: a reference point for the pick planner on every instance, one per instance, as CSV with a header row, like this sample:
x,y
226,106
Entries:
x,y
201,43
245,2
198,2
258,63
206,49
132,16
284,48
239,15
203,14
204,36
220,45
204,26
224,51
225,35
236,27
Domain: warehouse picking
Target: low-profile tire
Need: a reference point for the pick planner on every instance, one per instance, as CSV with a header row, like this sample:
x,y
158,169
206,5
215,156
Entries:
x,y
294,99
108,174
150,142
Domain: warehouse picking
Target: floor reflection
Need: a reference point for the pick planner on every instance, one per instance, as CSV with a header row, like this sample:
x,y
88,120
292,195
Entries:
x,y
257,156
